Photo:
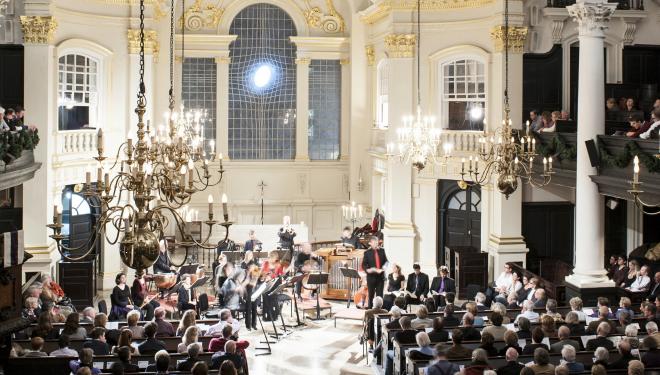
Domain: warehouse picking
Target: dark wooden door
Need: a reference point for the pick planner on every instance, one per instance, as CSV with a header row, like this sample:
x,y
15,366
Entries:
x,y
78,279
548,229
463,219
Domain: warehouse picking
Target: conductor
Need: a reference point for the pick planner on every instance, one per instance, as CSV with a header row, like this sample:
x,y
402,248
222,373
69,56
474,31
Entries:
x,y
374,263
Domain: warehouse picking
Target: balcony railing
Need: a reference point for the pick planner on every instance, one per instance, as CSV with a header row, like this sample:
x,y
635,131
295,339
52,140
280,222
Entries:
x,y
76,141
621,4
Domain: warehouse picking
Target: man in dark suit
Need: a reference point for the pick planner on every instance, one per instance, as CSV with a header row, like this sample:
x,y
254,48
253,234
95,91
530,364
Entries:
x,y
193,354
441,285
162,264
97,343
512,366
457,350
373,263
124,355
151,345
443,366
229,354
162,364
564,333
417,285
186,300
252,243
626,356
601,340
603,314
450,320
469,332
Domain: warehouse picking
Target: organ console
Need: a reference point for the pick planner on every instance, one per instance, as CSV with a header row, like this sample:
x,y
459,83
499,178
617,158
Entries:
x,y
338,286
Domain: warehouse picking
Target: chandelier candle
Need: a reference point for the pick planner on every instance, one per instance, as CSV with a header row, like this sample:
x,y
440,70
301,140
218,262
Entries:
x,y
225,212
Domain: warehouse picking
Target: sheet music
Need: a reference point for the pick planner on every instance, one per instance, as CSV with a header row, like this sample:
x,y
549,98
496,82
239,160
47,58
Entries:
x,y
99,365
587,338
511,327
143,364
546,340
588,311
522,343
112,325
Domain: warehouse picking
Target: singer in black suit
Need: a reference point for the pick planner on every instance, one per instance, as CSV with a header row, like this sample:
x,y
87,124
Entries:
x,y
442,284
373,263
186,300
418,285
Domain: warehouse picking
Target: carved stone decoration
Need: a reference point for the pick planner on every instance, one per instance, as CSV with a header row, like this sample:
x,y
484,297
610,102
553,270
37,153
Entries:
x,y
331,22
38,29
400,45
592,17
302,184
629,33
201,16
517,36
151,44
557,29
371,55
382,9
3,7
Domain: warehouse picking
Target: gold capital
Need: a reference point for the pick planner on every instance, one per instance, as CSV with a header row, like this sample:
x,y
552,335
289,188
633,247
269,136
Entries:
x,y
401,45
517,36
371,54
151,44
38,29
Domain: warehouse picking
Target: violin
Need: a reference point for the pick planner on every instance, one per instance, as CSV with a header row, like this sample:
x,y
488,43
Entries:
x,y
361,297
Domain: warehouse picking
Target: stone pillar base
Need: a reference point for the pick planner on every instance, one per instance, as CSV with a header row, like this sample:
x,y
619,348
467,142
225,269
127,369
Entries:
x,y
589,295
503,250
399,243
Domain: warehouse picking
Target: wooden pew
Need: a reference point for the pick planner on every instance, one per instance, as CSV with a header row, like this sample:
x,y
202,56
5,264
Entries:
x,y
175,324
171,343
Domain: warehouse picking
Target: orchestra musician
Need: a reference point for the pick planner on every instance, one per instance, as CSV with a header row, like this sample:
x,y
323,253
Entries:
x,y
347,238
441,285
187,299
394,284
250,284
232,288
139,294
374,263
272,268
253,244
163,263
286,234
417,286
300,263
248,261
121,297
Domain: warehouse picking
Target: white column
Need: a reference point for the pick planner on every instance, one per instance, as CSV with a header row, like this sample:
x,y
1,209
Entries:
x,y
344,134
592,17
302,112
222,105
399,234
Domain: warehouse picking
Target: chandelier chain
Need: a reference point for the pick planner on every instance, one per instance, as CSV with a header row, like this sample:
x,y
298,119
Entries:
x,y
171,92
419,43
506,55
183,41
142,100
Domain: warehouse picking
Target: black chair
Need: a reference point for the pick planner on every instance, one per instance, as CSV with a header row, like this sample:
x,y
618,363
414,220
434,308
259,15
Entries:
x,y
103,307
202,303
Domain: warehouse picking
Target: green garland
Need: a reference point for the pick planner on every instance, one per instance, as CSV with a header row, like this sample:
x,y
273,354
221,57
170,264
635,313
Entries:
x,y
557,147
12,144
623,159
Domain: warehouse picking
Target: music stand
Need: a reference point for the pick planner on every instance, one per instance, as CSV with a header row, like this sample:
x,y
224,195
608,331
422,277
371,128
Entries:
x,y
235,257
256,294
351,274
188,268
318,279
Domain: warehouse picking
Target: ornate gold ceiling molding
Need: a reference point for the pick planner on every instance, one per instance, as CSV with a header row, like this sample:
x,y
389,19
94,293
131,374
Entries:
x,y
517,36
202,16
330,22
384,8
400,45
151,44
38,29
160,7
371,54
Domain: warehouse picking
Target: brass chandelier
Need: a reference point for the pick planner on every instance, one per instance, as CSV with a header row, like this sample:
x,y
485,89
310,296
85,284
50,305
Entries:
x,y
418,138
157,176
505,152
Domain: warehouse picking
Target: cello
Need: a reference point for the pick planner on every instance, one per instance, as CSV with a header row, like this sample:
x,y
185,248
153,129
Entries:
x,y
361,297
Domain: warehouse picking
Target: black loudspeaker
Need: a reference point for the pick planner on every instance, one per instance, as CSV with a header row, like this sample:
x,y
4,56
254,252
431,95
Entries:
x,y
593,153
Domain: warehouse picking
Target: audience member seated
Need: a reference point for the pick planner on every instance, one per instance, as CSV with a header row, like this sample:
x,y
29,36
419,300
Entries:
x,y
551,311
417,285
394,322
496,329
85,360
539,298
131,320
480,300
650,312
626,356
36,348
652,356
97,342
542,365
229,354
549,121
633,270
31,308
227,319
88,315
438,333
63,348
601,357
487,344
576,308
449,318
457,350
642,281
200,368
151,345
469,332
450,297
564,333
548,326
528,312
511,342
124,355
601,339
422,320
73,329
638,126
652,132
524,327
44,328
368,331
227,368
407,335
193,351
161,364
472,308
619,271
568,357
574,325
424,349
187,320
630,335
635,368
603,317
164,328
652,331
537,338
654,291
512,366
442,366
479,363
218,343
535,123
399,305
501,309
191,336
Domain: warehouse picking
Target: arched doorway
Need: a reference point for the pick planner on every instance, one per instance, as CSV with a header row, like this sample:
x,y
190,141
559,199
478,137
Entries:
x,y
79,214
459,217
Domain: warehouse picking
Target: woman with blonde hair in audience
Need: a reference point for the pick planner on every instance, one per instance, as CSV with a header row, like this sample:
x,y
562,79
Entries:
x,y
131,320
548,326
511,341
125,339
576,307
501,309
633,271
191,336
187,320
